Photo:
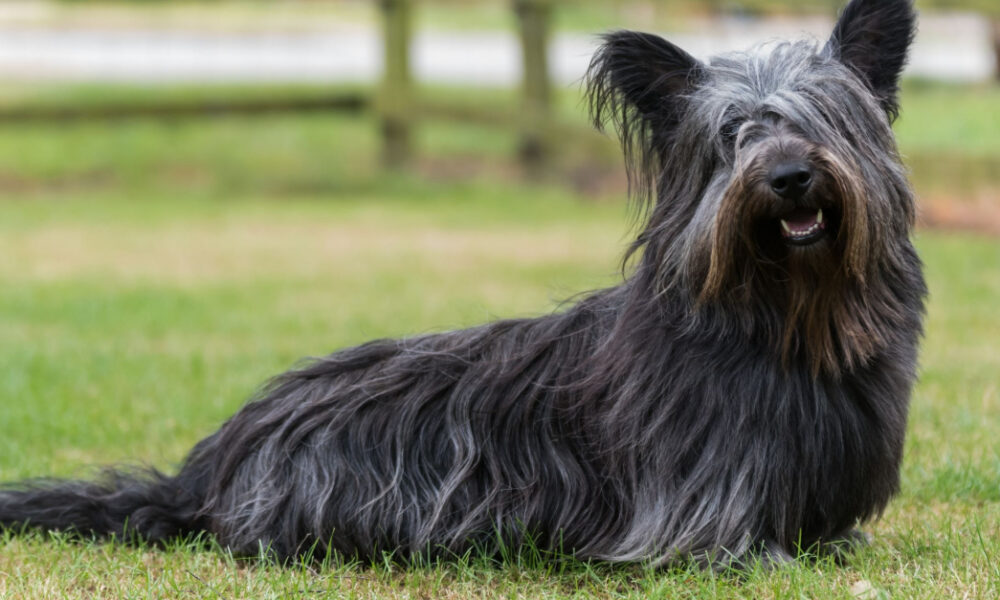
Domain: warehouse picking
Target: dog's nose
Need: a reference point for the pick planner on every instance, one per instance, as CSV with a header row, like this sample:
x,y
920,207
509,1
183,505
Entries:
x,y
790,180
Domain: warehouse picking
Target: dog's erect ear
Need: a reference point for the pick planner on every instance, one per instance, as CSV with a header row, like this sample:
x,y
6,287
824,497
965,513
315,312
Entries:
x,y
637,82
641,71
872,38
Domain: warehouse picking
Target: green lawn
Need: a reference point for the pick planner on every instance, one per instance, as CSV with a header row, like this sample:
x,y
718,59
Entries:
x,y
130,329
152,275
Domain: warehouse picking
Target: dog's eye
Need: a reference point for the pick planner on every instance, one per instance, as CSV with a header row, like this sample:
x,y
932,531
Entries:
x,y
770,116
730,131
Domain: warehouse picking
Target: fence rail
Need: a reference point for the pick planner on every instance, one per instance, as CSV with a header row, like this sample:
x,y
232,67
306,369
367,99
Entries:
x,y
346,102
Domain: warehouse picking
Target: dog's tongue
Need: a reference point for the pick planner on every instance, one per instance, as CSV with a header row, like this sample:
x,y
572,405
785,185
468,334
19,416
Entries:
x,y
801,221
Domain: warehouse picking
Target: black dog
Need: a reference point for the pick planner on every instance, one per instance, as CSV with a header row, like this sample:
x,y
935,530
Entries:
x,y
744,390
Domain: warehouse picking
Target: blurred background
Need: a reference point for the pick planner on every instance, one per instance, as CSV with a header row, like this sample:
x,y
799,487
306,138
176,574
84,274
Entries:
x,y
235,97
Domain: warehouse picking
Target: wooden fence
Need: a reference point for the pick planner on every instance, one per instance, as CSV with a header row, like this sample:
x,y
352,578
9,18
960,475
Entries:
x,y
394,101
399,110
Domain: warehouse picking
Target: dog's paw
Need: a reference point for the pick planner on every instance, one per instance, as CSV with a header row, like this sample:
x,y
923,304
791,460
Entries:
x,y
766,555
842,546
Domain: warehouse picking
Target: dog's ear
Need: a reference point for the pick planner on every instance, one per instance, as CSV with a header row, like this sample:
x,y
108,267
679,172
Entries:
x,y
872,37
640,71
638,82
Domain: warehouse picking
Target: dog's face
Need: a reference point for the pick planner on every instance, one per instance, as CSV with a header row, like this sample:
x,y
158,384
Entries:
x,y
804,175
775,171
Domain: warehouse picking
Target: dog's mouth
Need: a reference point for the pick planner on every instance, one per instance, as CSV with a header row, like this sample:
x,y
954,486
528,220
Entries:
x,y
803,226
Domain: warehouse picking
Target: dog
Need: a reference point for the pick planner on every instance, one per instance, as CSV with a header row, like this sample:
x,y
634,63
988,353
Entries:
x,y
743,392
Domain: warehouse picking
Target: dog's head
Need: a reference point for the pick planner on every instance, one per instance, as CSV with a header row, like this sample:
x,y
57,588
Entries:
x,y
775,182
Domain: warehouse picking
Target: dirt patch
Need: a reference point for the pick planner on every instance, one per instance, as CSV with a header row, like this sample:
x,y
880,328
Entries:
x,y
11,183
978,212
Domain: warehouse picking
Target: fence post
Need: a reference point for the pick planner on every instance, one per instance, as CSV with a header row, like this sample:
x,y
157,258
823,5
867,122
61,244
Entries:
x,y
395,102
534,20
995,31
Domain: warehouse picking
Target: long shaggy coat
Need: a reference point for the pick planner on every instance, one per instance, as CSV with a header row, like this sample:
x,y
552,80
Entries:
x,y
740,391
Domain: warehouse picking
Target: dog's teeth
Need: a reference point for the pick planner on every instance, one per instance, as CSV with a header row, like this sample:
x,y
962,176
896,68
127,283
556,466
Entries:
x,y
819,216
785,226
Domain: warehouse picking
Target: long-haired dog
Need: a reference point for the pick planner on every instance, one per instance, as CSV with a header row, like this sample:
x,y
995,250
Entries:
x,y
744,390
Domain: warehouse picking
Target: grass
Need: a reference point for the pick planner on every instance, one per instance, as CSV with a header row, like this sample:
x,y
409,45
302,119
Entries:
x,y
132,330
153,274
949,134
964,118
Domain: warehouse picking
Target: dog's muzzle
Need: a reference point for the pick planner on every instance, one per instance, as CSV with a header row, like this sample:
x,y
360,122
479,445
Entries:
x,y
802,223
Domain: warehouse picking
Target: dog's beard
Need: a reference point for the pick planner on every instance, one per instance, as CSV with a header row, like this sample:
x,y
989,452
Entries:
x,y
817,287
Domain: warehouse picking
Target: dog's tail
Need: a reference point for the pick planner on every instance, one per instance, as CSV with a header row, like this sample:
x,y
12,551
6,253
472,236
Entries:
x,y
129,505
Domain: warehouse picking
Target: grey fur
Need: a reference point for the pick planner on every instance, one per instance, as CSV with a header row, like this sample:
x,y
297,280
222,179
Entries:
x,y
732,395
